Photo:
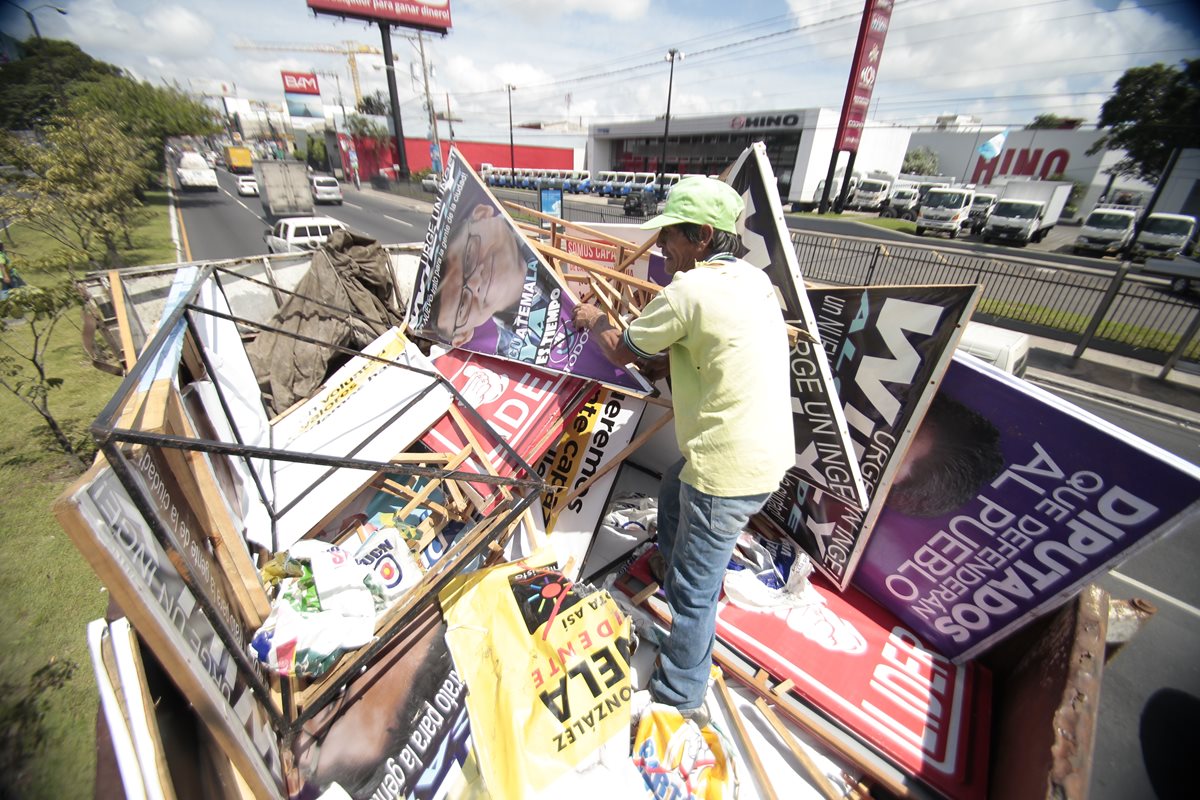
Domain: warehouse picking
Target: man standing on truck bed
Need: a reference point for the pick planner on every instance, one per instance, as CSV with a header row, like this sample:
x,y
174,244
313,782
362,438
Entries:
x,y
720,320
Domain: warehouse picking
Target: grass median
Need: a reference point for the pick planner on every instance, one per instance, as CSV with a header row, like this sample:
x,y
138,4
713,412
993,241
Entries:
x,y
48,589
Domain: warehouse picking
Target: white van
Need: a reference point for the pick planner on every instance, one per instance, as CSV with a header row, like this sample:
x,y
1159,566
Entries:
x,y
1000,347
300,234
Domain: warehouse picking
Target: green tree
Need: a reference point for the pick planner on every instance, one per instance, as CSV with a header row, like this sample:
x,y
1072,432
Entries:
x,y
1152,111
23,360
366,128
920,161
317,156
33,88
377,104
1053,122
78,183
149,113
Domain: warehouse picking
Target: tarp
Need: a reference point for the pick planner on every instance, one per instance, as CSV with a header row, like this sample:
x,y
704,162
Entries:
x,y
888,345
349,273
482,287
1066,495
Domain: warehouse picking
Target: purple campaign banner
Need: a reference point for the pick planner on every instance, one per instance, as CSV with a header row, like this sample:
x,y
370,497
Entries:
x,y
482,287
1069,495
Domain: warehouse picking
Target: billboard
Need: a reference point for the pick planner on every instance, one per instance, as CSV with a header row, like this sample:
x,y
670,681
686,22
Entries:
x,y
429,15
303,94
877,17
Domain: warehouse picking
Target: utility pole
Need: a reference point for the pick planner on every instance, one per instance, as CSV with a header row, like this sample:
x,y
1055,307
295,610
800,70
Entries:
x,y
449,119
433,127
512,150
672,54
394,96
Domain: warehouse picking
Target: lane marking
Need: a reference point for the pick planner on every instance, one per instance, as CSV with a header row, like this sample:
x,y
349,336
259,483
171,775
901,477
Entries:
x,y
1156,594
187,249
402,222
352,205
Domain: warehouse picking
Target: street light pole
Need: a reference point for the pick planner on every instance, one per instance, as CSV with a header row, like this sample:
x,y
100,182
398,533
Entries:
x,y
28,12
512,150
662,162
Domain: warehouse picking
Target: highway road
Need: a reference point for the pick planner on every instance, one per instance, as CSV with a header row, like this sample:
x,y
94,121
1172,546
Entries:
x,y
1148,705
221,224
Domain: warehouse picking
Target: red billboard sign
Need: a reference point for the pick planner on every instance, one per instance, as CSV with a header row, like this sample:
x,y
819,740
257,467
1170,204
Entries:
x,y
300,83
877,17
430,15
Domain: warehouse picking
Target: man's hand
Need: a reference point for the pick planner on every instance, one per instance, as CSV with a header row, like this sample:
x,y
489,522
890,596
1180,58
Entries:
x,y
585,317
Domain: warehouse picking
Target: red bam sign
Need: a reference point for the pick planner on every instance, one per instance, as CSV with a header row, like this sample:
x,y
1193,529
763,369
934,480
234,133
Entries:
x,y
430,15
300,83
877,17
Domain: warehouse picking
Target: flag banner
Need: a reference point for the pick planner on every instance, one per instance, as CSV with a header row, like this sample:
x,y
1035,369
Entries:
x,y
824,451
857,663
1050,496
992,147
398,730
864,71
888,345
597,434
480,286
548,671
524,406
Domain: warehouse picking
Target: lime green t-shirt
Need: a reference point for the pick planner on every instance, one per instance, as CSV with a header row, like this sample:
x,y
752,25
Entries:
x,y
729,375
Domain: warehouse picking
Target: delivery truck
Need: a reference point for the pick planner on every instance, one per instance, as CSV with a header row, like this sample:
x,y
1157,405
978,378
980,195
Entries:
x,y
945,209
283,189
1026,211
1106,231
239,160
1164,236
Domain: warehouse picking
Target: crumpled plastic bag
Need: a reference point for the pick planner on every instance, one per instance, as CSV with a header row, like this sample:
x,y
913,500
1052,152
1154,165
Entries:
x,y
764,574
329,609
633,518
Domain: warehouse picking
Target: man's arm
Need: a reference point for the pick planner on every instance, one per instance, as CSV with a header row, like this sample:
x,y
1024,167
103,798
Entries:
x,y
612,342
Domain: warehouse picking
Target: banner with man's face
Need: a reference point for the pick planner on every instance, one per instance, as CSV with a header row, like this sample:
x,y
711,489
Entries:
x,y
824,451
482,287
889,346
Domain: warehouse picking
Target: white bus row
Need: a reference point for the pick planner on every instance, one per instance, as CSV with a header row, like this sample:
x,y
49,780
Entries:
x,y
578,181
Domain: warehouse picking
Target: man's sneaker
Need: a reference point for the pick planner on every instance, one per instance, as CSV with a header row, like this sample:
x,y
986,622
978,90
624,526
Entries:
x,y
698,715
658,567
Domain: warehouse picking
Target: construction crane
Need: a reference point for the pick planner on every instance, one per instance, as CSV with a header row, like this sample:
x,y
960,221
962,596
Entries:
x,y
348,49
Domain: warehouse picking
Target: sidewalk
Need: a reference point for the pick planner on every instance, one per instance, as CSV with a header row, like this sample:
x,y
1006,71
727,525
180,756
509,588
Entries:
x,y
1118,379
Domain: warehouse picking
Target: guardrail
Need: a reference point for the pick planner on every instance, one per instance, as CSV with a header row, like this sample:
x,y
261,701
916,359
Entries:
x,y
1109,310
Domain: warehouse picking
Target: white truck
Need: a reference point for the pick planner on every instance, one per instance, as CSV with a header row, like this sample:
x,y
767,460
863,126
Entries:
x,y
1106,230
871,193
283,188
1164,236
1026,211
945,209
981,208
193,172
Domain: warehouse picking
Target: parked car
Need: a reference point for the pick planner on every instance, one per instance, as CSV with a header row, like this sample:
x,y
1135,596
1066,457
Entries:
x,y
297,234
325,190
247,186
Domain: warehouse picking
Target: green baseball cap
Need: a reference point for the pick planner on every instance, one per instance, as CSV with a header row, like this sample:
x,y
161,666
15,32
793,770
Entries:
x,y
704,201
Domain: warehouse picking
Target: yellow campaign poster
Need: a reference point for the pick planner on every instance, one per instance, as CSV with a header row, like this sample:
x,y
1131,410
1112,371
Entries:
x,y
547,671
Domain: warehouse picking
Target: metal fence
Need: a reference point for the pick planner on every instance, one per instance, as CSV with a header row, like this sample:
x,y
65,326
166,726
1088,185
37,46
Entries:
x,y
1110,310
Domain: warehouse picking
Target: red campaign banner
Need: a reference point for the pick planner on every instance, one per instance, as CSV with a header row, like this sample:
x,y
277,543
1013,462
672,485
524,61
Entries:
x,y
429,15
528,408
856,662
300,83
877,18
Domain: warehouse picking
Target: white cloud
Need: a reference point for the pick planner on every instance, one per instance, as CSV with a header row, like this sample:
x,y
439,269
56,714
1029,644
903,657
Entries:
x,y
624,10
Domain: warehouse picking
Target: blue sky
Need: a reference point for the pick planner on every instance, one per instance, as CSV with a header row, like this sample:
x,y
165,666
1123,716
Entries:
x,y
603,60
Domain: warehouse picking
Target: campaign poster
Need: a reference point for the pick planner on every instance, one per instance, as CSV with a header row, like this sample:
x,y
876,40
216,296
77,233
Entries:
x,y
398,730
550,684
1046,496
525,407
99,515
593,439
888,346
824,451
481,287
857,663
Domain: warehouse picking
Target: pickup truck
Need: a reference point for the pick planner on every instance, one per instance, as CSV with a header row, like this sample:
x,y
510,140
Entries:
x,y
1105,231
1182,272
1164,236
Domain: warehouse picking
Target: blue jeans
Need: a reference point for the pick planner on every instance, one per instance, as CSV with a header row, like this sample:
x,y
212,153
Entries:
x,y
696,536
